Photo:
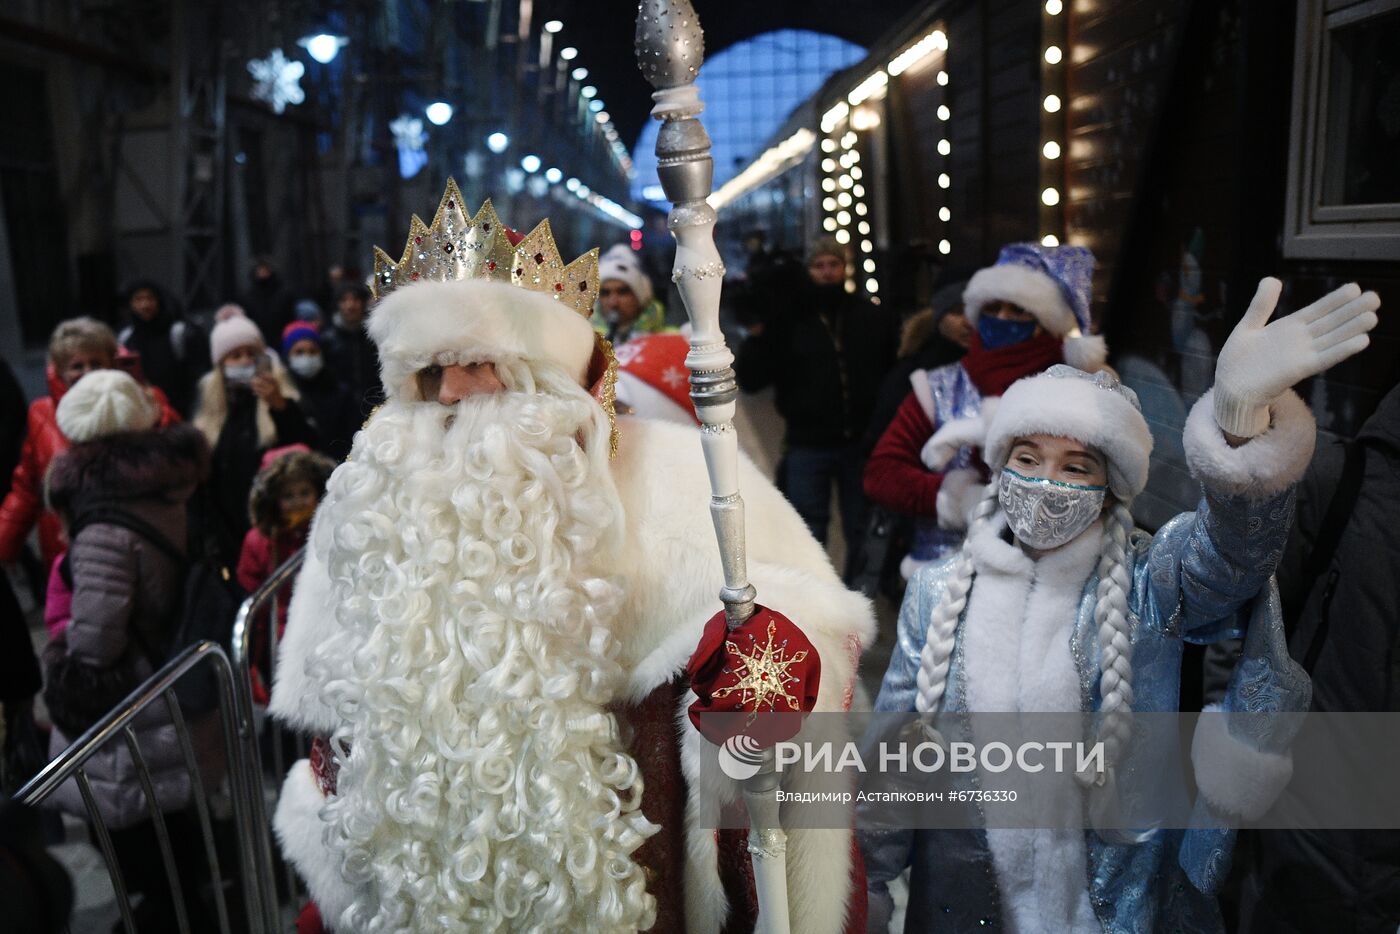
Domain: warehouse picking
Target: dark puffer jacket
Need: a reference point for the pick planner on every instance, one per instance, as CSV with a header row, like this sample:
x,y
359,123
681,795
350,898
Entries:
x,y
1345,622
121,583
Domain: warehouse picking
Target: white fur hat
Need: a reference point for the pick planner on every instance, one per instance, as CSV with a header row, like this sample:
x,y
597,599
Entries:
x,y
231,333
1095,409
620,263
105,402
473,321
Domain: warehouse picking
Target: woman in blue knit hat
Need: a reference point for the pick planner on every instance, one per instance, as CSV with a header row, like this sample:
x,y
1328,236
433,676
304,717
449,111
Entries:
x,y
326,400
1054,604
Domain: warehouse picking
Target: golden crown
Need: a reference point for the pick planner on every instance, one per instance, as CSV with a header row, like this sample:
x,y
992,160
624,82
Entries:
x,y
459,247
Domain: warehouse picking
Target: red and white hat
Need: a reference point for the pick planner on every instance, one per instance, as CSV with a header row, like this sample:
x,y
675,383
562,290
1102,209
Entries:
x,y
652,378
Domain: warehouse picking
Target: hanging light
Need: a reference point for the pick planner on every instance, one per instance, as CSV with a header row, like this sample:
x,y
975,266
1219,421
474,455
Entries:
x,y
553,175
553,26
579,74
568,53
588,92
438,112
323,46
530,163
497,142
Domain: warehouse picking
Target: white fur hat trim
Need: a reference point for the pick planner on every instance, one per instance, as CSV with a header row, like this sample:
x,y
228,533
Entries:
x,y
474,321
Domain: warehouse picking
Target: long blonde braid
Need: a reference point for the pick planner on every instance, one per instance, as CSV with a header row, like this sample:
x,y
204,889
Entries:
x,y
943,623
1115,637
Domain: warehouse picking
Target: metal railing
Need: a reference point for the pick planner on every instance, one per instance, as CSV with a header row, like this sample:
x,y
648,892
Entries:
x,y
244,624
244,779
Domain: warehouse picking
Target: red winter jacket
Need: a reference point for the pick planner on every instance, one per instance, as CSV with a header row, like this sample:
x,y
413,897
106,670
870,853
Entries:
x,y
259,557
25,501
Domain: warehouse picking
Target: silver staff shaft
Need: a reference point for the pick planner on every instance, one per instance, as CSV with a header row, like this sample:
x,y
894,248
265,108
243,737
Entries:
x,y
670,50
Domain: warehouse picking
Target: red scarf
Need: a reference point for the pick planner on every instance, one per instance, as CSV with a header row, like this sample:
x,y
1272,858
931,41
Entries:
x,y
992,371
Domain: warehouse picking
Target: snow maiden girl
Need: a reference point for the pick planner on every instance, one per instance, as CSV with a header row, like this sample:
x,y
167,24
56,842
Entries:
x,y
1054,604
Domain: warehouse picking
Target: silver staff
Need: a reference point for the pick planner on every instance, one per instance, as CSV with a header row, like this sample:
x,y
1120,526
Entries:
x,y
670,50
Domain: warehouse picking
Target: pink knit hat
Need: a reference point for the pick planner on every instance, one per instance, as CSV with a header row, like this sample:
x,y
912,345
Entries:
x,y
230,334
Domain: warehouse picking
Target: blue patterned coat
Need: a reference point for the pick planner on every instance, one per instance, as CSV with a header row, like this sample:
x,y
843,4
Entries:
x,y
1205,576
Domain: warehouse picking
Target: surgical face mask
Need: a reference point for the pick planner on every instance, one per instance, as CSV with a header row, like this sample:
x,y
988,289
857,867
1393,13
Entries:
x,y
241,373
306,365
1046,514
998,332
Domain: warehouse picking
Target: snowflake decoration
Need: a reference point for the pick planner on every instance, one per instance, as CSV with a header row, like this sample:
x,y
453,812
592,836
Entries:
x,y
674,377
763,675
408,133
276,80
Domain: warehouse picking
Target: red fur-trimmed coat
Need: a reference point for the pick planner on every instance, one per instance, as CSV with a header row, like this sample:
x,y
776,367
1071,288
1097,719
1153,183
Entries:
x,y
702,876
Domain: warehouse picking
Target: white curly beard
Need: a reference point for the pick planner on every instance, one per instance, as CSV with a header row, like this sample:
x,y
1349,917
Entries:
x,y
485,788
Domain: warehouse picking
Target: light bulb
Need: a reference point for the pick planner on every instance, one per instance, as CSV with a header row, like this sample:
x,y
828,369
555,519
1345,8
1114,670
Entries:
x,y
438,112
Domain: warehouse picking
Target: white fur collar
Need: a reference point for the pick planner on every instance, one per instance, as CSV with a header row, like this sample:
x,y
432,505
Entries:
x,y
1016,650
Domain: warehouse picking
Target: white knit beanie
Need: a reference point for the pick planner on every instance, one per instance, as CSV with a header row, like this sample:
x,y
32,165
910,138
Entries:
x,y
620,262
230,334
105,402
1095,409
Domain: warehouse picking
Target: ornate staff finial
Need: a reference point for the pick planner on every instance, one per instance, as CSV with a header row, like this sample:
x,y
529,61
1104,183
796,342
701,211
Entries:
x,y
670,42
670,50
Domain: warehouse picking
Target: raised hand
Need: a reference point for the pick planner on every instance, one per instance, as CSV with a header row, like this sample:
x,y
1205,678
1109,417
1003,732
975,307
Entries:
x,y
1261,360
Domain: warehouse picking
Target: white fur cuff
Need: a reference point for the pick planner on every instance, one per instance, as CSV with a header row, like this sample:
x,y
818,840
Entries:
x,y
1234,776
299,828
1264,466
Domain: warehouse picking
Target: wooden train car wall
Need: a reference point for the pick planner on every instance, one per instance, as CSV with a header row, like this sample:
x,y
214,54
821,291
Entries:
x,y
1179,124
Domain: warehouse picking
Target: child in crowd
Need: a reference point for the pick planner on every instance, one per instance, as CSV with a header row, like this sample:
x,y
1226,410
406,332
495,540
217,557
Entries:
x,y
1055,604
285,495
122,588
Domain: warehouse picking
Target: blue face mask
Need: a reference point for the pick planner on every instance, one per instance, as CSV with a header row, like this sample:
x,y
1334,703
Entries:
x,y
996,332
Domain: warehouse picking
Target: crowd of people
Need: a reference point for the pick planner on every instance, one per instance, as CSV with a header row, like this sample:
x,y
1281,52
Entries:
x,y
982,456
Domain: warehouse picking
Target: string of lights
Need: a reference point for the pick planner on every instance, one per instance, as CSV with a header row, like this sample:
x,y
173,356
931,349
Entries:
x,y
845,201
1052,123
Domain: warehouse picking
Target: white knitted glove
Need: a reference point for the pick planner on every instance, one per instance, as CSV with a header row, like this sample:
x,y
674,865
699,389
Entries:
x,y
945,443
958,496
1261,360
